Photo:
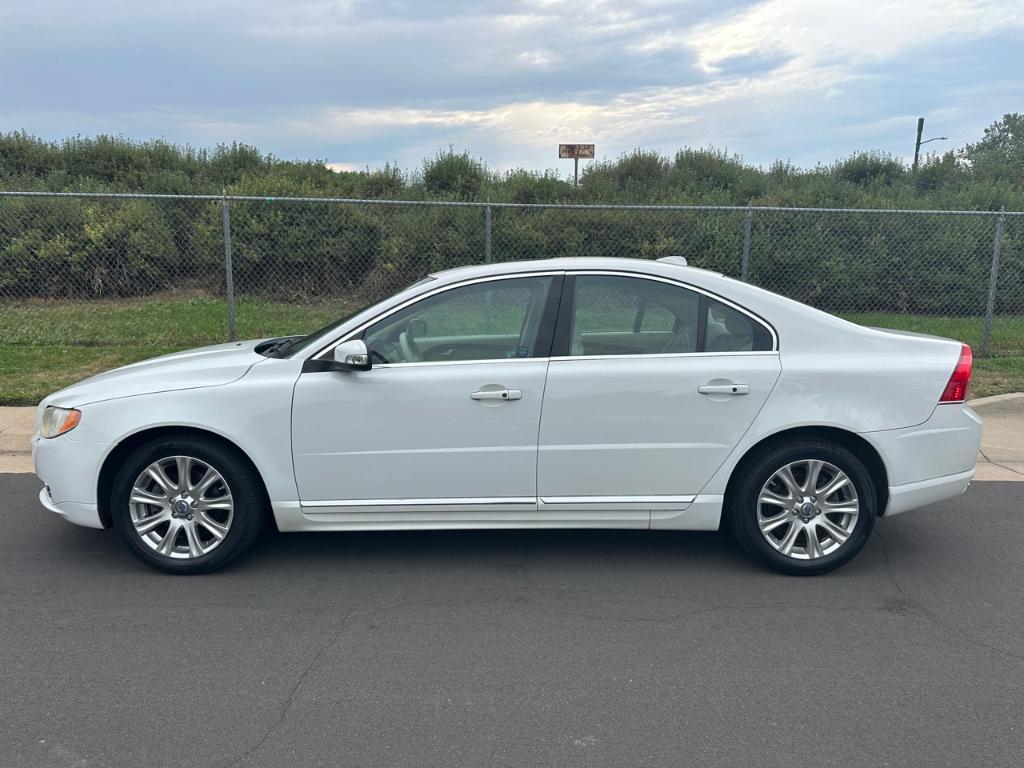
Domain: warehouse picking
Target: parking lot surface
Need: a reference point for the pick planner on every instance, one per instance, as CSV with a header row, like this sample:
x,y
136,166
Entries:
x,y
516,649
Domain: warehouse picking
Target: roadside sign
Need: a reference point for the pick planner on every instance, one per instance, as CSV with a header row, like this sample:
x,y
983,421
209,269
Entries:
x,y
574,151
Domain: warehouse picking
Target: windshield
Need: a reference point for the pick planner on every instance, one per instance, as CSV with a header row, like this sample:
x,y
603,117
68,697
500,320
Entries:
x,y
295,344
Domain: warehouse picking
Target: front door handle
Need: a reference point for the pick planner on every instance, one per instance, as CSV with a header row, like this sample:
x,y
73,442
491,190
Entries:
x,y
724,389
497,394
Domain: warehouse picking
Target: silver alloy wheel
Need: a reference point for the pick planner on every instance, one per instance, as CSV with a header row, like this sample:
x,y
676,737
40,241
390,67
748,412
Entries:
x,y
181,507
807,509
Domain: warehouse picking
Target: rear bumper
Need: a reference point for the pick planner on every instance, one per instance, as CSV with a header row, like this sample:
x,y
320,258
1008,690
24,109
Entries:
x,y
920,494
931,461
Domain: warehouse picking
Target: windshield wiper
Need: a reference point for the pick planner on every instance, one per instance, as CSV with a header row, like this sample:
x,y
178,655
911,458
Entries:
x,y
276,347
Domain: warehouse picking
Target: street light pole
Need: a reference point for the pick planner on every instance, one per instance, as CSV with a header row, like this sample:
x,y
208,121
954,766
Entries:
x,y
918,143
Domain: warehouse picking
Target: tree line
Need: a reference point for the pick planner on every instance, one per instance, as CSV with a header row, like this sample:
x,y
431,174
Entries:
x,y
102,248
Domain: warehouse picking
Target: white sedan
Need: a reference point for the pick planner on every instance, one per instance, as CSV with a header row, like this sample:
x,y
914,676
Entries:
x,y
568,393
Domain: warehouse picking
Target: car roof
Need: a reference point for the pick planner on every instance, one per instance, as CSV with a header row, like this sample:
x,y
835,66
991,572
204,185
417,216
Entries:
x,y
646,266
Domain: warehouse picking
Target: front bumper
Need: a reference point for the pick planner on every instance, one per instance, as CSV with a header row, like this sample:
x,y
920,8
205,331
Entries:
x,y
72,511
69,470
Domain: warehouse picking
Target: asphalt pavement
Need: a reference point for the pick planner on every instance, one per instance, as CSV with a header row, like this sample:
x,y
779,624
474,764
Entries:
x,y
548,648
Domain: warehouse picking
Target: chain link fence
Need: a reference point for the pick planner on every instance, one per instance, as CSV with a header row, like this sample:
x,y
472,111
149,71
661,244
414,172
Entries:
x,y
955,273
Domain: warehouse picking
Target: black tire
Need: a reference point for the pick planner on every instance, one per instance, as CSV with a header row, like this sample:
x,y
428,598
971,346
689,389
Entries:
x,y
249,514
743,510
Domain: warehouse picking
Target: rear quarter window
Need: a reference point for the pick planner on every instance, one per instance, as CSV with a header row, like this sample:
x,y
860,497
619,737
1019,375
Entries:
x,y
729,330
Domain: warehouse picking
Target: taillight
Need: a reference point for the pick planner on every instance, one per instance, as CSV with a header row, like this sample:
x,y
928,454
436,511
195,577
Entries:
x,y
960,382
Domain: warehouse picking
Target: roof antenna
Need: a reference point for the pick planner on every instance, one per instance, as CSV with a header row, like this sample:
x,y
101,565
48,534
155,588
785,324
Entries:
x,y
679,261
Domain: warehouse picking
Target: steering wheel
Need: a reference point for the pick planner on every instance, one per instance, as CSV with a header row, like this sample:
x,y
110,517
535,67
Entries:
x,y
410,351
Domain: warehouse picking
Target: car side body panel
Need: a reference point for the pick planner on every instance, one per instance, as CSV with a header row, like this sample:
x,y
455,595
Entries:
x,y
252,412
432,438
637,428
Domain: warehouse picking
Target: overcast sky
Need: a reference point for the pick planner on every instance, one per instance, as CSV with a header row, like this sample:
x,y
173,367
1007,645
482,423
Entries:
x,y
360,83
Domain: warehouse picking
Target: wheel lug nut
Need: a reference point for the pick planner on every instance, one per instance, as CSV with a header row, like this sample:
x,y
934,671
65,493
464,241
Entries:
x,y
814,498
195,504
189,517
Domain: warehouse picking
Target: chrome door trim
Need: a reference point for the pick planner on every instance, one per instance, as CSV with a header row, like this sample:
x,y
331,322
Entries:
x,y
329,347
449,502
633,500
463,362
660,355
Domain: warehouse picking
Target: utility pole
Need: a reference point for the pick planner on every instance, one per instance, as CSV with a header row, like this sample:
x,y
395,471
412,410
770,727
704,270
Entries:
x,y
917,144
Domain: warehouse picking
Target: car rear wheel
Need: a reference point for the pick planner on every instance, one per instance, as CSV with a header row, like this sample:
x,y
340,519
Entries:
x,y
803,508
188,504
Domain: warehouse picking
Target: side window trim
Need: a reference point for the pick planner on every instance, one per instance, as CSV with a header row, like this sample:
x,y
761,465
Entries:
x,y
548,317
545,333
563,327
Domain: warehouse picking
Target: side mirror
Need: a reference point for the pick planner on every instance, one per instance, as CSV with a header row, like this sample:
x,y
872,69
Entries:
x,y
352,355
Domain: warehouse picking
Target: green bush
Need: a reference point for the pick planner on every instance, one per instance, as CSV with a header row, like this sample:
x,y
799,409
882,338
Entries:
x,y
455,176
55,247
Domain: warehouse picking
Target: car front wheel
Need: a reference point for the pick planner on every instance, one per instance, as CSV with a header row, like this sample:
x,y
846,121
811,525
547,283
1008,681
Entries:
x,y
803,508
188,504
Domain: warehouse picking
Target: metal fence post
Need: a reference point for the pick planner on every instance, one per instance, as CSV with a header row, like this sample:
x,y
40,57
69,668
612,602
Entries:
x,y
488,310
748,226
487,235
986,340
229,283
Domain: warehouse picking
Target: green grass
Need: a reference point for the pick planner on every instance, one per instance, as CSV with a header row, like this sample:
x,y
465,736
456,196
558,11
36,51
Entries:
x,y
1004,372
30,372
181,323
49,345
996,375
1007,331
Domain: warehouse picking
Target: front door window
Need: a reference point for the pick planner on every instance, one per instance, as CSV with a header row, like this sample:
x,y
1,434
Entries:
x,y
491,320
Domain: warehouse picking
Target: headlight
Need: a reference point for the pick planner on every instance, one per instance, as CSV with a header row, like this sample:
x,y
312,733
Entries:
x,y
57,421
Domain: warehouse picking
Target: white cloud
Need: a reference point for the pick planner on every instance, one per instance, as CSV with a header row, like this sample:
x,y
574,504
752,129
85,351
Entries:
x,y
538,58
822,53
852,31
536,123
365,80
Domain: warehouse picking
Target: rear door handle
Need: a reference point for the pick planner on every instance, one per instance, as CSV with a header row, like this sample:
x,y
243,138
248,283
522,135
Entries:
x,y
724,389
497,394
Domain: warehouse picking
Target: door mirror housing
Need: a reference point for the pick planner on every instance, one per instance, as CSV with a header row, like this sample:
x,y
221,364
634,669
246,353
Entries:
x,y
352,355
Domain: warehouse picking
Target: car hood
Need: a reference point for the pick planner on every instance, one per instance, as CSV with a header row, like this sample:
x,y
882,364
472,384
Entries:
x,y
203,367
